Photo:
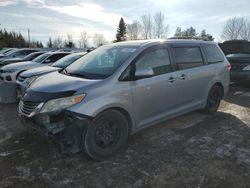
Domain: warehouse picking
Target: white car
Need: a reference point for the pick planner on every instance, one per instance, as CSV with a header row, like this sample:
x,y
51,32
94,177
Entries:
x,y
9,73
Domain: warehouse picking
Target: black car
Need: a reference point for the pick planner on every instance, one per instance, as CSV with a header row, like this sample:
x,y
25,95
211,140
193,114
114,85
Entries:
x,y
29,57
240,71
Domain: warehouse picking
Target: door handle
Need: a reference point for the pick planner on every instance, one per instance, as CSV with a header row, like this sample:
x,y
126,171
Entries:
x,y
183,77
171,79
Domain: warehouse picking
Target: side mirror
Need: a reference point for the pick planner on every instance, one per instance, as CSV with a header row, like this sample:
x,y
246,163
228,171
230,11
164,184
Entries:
x,y
145,72
47,61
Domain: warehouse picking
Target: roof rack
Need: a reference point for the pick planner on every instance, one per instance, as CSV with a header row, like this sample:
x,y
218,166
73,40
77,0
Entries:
x,y
188,38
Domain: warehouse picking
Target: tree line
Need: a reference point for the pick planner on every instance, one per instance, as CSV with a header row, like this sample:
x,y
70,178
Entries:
x,y
12,39
147,26
154,26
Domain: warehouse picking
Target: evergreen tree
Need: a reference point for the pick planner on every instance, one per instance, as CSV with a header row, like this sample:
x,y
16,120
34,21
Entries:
x,y
204,35
121,31
178,32
13,39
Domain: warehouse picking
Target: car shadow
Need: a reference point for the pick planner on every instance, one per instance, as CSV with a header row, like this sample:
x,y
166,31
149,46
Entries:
x,y
239,95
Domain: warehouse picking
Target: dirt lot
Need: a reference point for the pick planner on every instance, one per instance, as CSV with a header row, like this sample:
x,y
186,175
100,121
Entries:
x,y
194,150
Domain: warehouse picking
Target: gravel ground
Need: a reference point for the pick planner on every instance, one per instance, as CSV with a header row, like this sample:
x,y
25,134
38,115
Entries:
x,y
194,150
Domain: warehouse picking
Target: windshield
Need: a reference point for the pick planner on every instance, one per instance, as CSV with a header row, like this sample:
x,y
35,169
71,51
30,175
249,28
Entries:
x,y
40,58
31,56
67,60
100,63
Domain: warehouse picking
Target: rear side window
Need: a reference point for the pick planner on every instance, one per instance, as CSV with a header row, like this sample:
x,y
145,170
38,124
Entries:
x,y
213,54
187,57
157,59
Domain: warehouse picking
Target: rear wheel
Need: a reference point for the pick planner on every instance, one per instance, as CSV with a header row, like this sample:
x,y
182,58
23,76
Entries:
x,y
213,99
107,134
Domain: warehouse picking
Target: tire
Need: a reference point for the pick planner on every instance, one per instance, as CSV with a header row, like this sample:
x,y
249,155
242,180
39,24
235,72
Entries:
x,y
213,100
106,135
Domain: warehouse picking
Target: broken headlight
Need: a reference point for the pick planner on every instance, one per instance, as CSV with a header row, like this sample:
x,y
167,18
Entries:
x,y
61,103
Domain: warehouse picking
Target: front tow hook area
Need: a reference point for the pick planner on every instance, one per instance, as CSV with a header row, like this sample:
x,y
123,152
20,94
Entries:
x,y
70,140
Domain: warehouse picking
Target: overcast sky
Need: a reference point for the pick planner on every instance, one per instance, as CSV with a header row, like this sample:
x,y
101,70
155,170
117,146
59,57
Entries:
x,y
61,17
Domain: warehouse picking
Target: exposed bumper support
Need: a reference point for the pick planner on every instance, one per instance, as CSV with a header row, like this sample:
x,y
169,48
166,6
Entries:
x,y
66,128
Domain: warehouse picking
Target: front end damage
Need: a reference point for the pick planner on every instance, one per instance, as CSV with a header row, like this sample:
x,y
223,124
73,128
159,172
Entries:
x,y
65,128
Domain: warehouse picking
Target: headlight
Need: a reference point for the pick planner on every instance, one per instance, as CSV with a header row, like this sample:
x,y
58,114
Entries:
x,y
10,71
62,103
247,68
29,81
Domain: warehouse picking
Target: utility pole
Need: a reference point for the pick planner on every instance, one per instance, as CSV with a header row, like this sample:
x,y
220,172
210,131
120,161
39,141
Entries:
x,y
29,36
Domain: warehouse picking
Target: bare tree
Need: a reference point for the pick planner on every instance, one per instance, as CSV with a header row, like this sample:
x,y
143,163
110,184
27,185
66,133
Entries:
x,y
99,39
134,30
245,31
233,28
147,26
57,42
161,29
83,39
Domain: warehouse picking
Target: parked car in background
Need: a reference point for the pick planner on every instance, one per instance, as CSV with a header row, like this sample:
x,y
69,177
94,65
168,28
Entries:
x,y
240,72
5,51
17,53
29,57
9,73
26,77
116,90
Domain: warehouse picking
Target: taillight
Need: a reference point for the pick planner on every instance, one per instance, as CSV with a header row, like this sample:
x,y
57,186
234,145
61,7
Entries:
x,y
229,66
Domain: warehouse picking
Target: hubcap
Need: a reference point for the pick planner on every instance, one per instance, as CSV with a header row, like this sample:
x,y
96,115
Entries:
x,y
107,134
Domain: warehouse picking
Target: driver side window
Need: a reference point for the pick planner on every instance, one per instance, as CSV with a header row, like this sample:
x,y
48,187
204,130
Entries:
x,y
157,59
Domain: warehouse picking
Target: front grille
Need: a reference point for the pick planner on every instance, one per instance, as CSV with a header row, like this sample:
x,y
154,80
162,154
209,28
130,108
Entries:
x,y
26,107
21,78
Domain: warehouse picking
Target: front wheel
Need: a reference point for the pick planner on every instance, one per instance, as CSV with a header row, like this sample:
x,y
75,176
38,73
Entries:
x,y
106,135
213,99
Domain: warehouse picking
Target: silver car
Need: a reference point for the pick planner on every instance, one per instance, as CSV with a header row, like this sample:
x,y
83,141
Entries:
x,y
119,89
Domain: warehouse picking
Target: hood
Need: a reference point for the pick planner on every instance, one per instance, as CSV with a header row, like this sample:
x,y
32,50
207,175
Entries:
x,y
57,82
22,65
39,71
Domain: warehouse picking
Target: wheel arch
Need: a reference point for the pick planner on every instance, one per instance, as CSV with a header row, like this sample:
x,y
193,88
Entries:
x,y
220,85
123,112
20,72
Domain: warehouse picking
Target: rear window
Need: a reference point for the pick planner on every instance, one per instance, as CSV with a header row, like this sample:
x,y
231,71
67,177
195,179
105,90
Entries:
x,y
213,54
187,57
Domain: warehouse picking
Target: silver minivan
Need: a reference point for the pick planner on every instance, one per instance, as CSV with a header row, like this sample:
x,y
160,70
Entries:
x,y
121,88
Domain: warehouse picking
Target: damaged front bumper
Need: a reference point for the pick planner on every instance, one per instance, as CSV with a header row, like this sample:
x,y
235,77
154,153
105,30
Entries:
x,y
66,128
